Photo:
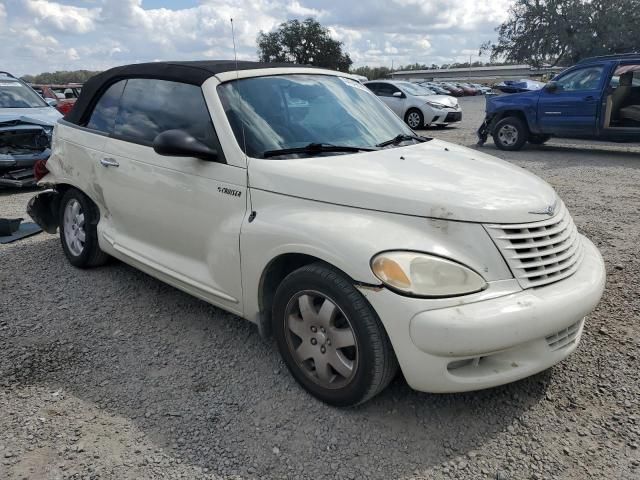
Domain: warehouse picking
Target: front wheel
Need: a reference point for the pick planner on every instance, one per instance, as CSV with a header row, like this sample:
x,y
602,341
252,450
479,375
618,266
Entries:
x,y
330,338
510,134
414,119
78,219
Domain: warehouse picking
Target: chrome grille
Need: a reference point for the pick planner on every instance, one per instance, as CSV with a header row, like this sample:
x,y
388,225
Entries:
x,y
565,337
542,252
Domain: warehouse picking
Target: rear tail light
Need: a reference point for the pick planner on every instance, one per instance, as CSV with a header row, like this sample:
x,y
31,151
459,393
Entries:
x,y
40,169
64,108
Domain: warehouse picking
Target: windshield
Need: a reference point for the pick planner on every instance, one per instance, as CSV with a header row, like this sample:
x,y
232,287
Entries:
x,y
413,89
292,111
16,95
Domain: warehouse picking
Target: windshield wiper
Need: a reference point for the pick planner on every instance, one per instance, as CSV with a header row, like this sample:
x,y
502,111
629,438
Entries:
x,y
316,148
402,138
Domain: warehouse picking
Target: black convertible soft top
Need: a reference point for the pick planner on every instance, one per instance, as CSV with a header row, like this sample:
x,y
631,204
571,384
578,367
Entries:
x,y
195,72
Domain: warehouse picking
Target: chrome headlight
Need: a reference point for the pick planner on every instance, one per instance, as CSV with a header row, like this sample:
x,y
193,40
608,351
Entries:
x,y
423,275
436,105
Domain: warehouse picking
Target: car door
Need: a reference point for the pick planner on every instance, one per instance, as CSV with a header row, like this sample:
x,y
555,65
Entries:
x,y
393,97
178,218
570,105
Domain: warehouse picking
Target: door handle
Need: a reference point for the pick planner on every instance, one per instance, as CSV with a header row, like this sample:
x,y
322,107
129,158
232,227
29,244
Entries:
x,y
109,162
590,98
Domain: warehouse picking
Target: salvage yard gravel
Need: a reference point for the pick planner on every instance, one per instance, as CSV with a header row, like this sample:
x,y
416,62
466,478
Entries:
x,y
108,373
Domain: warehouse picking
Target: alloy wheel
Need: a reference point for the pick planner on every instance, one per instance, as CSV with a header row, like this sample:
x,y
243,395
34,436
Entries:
x,y
508,135
413,119
321,339
73,226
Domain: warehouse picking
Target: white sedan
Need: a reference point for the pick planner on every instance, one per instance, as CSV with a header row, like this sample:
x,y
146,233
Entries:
x,y
418,106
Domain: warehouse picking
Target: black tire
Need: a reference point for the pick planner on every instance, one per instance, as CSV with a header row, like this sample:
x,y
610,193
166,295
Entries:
x,y
376,360
538,139
510,134
414,113
90,254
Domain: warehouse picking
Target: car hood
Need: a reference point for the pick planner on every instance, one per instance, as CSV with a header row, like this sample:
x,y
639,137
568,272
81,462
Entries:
x,y
45,116
502,102
434,179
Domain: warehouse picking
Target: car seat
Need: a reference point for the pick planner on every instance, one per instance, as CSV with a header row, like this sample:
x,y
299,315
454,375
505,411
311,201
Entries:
x,y
632,112
621,94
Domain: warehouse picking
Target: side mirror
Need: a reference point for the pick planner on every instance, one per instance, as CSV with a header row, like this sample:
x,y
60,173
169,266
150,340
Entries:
x,y
398,94
52,102
551,87
178,143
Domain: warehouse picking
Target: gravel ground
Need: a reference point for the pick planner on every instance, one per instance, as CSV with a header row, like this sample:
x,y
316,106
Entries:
x,y
110,374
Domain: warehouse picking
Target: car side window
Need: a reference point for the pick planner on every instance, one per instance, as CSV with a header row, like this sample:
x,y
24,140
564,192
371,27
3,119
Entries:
x,y
104,113
374,87
387,90
149,107
583,79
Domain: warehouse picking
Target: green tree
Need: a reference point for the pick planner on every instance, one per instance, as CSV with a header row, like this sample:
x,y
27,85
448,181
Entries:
x,y
306,43
76,76
372,73
562,32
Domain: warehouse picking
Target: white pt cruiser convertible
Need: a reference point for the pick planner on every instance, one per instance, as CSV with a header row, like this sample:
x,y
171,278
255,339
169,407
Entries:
x,y
293,197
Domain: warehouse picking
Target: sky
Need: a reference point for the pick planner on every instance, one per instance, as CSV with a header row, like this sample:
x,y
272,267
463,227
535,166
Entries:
x,y
43,35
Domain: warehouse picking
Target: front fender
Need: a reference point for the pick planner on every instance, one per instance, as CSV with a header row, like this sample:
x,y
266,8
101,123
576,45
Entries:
x,y
348,238
524,105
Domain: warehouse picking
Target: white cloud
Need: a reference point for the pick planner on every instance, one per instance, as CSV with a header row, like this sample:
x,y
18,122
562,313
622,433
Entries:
x,y
65,18
44,35
294,8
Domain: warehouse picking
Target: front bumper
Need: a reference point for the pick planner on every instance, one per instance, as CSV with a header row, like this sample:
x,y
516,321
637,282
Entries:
x,y
445,117
475,344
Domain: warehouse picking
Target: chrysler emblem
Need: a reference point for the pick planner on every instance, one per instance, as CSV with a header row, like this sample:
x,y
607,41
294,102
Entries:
x,y
550,210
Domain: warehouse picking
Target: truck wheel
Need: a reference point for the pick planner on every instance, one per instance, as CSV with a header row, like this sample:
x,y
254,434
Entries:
x,y
414,118
330,338
510,134
78,219
538,139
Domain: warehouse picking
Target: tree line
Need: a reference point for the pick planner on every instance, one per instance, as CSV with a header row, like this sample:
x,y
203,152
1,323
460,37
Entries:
x,y
60,76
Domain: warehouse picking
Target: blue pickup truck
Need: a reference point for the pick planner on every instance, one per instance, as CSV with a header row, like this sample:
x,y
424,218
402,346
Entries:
x,y
599,98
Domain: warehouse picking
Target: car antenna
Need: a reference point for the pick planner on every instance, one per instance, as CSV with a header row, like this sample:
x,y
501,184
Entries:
x,y
244,139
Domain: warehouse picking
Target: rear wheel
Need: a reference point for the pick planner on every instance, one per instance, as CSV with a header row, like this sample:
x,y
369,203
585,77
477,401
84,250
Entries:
x,y
510,134
330,338
414,118
78,219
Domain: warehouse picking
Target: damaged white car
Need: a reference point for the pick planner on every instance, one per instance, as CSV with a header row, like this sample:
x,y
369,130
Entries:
x,y
294,198
26,124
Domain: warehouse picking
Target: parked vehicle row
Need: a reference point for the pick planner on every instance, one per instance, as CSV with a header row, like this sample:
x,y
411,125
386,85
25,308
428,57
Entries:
x,y
418,106
599,98
458,89
64,95
294,198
